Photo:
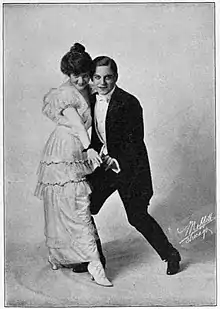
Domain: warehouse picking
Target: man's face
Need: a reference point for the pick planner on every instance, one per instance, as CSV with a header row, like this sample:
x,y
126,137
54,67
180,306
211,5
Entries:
x,y
104,79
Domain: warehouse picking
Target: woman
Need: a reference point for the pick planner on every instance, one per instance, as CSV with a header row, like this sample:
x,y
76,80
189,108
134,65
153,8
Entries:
x,y
67,159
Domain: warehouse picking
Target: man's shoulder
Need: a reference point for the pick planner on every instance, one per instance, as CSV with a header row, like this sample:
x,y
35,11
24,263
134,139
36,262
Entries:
x,y
127,97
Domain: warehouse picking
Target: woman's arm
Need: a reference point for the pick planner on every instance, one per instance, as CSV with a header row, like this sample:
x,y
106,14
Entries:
x,y
77,124
75,121
53,106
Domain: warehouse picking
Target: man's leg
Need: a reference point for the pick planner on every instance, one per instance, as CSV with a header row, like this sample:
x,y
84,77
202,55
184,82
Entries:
x,y
138,216
103,184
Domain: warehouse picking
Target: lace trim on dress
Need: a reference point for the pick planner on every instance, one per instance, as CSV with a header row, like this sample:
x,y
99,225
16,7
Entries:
x,y
63,172
65,162
80,187
61,184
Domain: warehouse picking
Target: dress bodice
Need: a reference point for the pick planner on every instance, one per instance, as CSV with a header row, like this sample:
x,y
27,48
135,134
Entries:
x,y
58,99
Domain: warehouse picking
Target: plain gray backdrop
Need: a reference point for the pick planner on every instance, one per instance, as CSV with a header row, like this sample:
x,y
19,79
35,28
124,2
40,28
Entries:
x,y
165,56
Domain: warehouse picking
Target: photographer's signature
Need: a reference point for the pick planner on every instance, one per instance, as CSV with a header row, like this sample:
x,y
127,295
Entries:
x,y
193,230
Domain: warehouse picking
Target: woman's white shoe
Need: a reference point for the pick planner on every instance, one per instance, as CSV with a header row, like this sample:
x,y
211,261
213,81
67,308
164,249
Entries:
x,y
53,265
97,273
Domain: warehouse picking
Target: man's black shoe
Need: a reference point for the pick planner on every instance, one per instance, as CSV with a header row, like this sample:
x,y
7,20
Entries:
x,y
83,267
80,268
173,263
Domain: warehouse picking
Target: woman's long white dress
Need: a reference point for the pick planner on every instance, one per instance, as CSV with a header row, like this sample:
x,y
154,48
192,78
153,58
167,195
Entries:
x,y
70,234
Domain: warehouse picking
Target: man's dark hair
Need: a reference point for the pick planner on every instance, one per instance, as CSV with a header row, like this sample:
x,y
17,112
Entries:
x,y
104,61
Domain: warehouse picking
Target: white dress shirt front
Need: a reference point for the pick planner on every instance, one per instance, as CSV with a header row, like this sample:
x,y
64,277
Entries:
x,y
101,108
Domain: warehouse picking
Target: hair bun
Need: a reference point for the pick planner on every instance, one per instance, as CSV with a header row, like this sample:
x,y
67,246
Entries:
x,y
77,47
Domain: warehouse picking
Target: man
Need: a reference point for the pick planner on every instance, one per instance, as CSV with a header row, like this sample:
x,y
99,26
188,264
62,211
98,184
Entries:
x,y
118,135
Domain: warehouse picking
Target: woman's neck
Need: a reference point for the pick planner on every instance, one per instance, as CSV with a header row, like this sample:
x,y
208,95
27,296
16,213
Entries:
x,y
84,91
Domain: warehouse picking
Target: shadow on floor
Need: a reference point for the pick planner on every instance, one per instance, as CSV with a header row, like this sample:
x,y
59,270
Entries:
x,y
131,262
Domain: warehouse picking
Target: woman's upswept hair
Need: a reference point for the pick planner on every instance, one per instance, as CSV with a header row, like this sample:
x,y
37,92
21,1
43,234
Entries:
x,y
104,61
76,61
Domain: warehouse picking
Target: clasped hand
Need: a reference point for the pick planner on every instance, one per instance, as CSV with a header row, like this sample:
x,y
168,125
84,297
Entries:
x,y
94,157
108,162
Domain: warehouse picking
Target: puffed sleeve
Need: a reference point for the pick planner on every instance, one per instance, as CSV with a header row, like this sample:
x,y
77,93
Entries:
x,y
55,102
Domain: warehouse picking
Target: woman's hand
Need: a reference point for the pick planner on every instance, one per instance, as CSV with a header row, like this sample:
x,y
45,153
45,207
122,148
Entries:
x,y
93,157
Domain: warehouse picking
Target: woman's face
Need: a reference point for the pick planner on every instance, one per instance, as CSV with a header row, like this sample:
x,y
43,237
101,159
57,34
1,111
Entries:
x,y
80,81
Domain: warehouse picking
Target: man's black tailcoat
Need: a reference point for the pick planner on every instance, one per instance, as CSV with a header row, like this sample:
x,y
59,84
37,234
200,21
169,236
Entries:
x,y
125,142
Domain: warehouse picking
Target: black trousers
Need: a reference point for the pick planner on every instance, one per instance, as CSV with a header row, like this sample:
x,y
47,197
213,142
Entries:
x,y
104,183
